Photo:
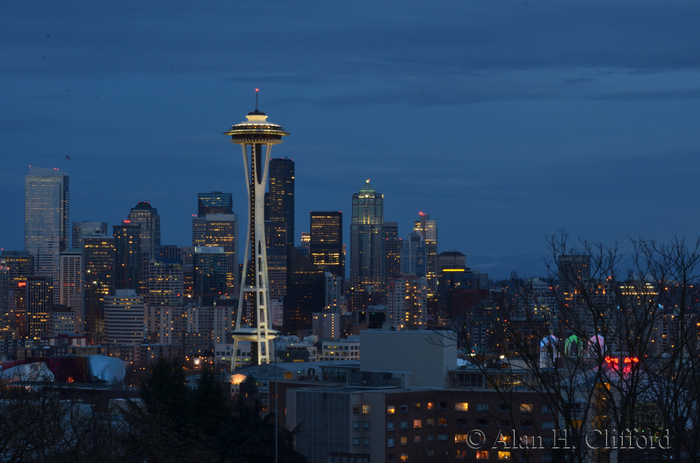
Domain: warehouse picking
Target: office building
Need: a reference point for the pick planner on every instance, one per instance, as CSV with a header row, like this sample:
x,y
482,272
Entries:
x,y
306,285
98,282
366,258
82,229
147,219
210,271
252,135
428,230
124,317
127,255
408,303
220,230
46,218
326,242
279,204
165,282
70,285
39,297
214,202
61,321
391,251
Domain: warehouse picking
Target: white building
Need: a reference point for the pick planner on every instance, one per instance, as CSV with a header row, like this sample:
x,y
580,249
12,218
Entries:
x,y
408,303
124,317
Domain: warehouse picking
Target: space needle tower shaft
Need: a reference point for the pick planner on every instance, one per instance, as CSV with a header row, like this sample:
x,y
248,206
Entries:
x,y
256,136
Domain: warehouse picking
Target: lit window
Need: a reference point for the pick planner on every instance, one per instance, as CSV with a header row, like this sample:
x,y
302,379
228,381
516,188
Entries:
x,y
460,454
461,406
404,440
390,410
482,455
404,457
525,408
417,424
366,409
431,406
460,438
442,422
503,455
416,407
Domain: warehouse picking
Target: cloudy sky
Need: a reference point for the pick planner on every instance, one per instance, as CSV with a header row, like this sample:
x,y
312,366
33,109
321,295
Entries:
x,y
506,121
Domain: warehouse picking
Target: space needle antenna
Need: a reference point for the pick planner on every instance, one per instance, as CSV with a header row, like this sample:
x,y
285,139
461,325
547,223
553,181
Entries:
x,y
256,100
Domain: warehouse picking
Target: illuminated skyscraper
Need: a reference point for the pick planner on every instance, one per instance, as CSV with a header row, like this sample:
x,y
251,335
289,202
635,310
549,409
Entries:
x,y
148,221
408,303
46,225
252,135
366,257
391,250
217,225
127,254
326,242
279,204
215,202
428,230
39,303
83,229
98,276
70,285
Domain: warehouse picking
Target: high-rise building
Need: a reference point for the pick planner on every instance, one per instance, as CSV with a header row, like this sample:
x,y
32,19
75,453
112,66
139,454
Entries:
x,y
326,242
165,282
147,219
124,317
408,303
20,266
391,250
252,135
279,204
70,285
366,257
220,230
39,303
210,270
413,255
215,202
306,286
428,230
127,255
98,282
82,229
46,218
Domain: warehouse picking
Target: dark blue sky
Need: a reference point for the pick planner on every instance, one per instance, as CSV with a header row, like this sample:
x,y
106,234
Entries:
x,y
506,121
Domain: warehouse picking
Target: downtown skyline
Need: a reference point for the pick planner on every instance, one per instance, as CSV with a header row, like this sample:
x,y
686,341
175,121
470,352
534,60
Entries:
x,y
541,117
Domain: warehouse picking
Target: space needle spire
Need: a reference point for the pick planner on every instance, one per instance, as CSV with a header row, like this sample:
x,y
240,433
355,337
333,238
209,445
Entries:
x,y
256,136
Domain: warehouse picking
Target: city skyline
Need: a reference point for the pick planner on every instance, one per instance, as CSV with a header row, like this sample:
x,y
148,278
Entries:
x,y
548,116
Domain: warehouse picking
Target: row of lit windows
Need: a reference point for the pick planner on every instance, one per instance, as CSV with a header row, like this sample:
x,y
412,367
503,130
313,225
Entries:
x,y
460,455
463,407
418,406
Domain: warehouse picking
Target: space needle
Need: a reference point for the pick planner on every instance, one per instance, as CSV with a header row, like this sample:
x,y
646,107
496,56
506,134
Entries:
x,y
253,134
